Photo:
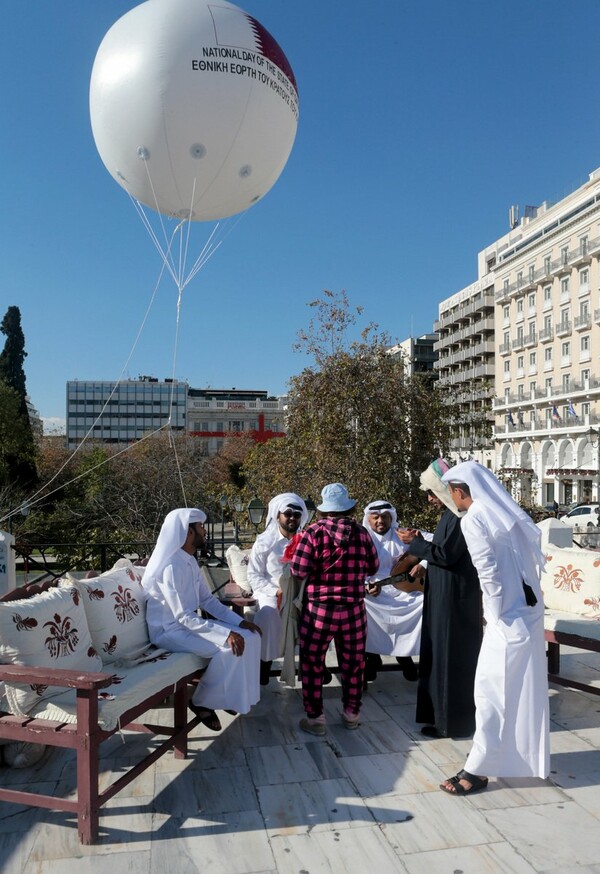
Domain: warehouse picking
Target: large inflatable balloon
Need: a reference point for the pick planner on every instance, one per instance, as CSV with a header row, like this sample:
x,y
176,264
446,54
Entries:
x,y
194,107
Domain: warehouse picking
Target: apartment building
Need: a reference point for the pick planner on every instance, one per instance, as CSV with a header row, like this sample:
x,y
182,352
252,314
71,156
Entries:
x,y
419,353
465,349
546,276
121,412
215,414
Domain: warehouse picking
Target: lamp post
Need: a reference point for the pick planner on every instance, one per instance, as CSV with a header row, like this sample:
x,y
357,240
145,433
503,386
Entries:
x,y
592,434
311,509
256,510
237,505
223,501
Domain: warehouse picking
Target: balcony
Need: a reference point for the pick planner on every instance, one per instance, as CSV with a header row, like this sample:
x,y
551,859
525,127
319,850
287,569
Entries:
x,y
530,340
564,328
582,322
597,317
518,344
505,348
547,334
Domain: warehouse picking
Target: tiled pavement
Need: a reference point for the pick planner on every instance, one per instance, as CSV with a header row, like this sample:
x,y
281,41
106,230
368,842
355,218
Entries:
x,y
262,796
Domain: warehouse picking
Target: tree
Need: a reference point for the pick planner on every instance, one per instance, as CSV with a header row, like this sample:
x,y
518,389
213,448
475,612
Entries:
x,y
21,470
357,417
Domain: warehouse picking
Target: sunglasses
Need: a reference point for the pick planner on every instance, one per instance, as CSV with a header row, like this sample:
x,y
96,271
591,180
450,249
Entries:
x,y
291,515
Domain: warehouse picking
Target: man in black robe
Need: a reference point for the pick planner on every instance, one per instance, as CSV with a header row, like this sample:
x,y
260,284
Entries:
x,y
452,624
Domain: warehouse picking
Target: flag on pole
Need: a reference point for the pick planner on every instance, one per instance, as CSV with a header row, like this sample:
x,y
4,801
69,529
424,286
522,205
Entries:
x,y
511,421
555,414
571,410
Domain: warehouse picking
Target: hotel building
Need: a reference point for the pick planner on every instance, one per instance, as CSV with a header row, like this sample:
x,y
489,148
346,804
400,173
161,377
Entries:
x,y
546,276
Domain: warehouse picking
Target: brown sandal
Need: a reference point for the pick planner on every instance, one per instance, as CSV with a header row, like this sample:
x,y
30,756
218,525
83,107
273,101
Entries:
x,y
207,717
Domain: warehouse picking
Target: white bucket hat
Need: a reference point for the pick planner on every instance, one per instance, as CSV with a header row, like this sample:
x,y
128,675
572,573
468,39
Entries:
x,y
335,499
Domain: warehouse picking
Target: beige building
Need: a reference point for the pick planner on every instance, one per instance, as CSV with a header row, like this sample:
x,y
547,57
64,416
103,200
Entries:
x,y
465,348
546,276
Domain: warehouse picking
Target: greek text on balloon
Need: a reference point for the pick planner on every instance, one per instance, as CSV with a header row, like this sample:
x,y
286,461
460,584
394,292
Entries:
x,y
283,87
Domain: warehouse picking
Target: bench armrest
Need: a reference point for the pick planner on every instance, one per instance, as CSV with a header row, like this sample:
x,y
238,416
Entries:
x,y
54,677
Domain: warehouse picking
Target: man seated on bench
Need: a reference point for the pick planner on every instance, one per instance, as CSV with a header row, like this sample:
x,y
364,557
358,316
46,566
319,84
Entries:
x,y
176,590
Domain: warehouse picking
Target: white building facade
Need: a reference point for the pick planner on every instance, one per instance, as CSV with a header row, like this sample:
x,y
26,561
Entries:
x,y
466,365
546,276
213,415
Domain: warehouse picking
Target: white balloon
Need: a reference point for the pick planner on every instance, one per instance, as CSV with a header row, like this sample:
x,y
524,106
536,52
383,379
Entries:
x,y
194,107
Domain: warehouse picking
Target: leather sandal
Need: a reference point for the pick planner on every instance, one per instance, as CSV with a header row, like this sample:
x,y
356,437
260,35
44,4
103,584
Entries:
x,y
478,784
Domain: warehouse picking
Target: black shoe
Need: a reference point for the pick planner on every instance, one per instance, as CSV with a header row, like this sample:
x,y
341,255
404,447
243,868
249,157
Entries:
x,y
327,676
207,717
430,731
265,672
409,670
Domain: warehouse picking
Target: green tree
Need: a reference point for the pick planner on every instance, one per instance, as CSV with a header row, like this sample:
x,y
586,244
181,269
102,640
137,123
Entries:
x,y
355,416
20,463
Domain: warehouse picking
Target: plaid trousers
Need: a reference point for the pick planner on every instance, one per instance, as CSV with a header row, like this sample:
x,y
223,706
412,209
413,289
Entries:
x,y
346,625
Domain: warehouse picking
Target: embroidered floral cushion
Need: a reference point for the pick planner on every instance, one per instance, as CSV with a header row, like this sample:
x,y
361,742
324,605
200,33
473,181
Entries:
x,y
46,630
571,581
115,606
237,562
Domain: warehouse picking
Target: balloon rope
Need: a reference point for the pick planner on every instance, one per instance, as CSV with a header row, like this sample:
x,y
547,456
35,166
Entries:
x,y
41,493
35,499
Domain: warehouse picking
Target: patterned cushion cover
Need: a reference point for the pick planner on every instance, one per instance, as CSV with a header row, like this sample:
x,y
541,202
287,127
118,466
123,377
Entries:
x,y
237,562
47,630
115,606
571,581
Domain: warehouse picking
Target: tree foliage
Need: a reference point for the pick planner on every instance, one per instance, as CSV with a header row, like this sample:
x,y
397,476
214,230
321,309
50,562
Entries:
x,y
357,417
17,457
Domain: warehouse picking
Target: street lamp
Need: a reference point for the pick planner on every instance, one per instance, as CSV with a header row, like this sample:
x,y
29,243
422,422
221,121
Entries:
x,y
223,501
311,509
592,433
237,505
256,511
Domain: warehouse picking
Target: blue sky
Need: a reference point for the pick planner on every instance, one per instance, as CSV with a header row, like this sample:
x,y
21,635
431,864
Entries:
x,y
421,122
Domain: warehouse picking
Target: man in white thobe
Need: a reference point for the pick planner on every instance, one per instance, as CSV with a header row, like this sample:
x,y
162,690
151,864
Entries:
x,y
393,616
511,688
286,515
175,592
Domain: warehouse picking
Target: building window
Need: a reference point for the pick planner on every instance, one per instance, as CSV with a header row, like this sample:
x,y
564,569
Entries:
x,y
532,274
548,353
547,323
585,378
583,245
520,305
566,382
507,366
520,392
564,255
532,300
505,285
585,409
584,279
547,261
220,427
532,388
549,385
532,359
547,296
506,311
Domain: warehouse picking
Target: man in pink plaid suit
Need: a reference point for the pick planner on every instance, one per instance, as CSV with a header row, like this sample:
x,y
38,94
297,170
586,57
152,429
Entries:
x,y
335,555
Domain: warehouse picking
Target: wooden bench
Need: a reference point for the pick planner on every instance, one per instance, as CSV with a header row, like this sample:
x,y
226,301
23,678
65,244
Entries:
x,y
85,735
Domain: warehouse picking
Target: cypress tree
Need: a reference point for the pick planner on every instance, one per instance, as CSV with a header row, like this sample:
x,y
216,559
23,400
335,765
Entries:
x,y
20,462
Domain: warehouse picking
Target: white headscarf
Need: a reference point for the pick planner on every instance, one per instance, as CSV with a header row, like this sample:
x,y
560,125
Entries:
x,y
431,481
380,507
280,503
503,516
171,538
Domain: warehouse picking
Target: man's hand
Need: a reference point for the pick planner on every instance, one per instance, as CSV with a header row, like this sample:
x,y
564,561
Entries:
x,y
373,589
251,626
407,535
418,572
236,642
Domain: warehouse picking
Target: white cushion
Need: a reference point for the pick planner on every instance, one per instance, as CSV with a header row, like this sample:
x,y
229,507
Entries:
x,y
131,686
237,562
47,630
115,606
554,620
571,581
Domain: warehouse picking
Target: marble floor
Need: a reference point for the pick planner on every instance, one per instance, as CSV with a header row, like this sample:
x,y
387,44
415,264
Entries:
x,y
262,796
